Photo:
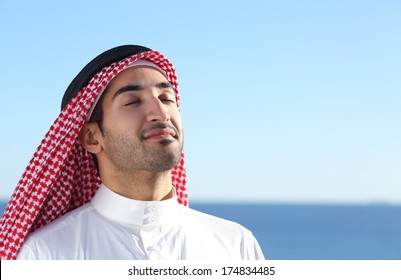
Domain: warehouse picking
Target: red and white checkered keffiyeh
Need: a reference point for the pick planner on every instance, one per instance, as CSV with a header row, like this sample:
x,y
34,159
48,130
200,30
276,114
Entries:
x,y
62,175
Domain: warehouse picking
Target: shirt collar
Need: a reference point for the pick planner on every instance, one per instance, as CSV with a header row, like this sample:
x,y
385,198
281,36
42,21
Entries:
x,y
135,212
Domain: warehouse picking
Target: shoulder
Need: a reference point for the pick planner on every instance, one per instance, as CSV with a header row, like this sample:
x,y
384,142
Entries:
x,y
216,225
217,232
63,223
55,234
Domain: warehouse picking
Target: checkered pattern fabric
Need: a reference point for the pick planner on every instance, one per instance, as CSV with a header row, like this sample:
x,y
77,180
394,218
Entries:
x,y
62,175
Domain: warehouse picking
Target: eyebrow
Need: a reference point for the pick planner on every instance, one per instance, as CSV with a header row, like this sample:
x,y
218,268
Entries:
x,y
161,85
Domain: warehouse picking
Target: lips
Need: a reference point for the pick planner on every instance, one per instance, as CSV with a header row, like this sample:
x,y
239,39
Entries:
x,y
158,133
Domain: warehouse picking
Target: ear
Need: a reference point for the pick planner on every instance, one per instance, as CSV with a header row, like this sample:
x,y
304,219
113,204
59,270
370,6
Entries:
x,y
90,137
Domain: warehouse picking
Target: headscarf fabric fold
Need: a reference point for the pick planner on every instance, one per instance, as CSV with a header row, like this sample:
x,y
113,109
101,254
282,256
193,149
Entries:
x,y
62,175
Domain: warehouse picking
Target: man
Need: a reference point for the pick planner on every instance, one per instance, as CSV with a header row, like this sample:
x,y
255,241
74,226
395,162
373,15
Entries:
x,y
108,180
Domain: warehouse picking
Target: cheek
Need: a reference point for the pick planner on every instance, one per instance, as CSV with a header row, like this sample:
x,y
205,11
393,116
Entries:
x,y
122,121
176,120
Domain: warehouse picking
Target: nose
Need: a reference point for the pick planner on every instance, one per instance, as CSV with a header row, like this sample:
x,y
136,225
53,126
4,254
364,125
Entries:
x,y
157,111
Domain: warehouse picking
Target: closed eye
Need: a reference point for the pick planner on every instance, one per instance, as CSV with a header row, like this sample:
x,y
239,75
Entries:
x,y
168,100
168,97
133,102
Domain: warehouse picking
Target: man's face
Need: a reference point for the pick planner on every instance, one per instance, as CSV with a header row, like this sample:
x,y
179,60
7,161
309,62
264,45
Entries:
x,y
141,121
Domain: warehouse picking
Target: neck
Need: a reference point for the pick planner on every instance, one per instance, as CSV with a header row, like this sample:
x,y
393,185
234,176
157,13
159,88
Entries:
x,y
141,185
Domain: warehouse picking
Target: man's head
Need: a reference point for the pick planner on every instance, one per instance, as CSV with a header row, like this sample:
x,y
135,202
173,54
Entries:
x,y
62,175
137,124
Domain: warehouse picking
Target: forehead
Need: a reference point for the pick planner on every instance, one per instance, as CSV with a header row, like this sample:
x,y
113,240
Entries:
x,y
140,75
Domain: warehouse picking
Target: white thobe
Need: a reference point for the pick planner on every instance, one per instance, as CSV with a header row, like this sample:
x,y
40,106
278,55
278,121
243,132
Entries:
x,y
114,227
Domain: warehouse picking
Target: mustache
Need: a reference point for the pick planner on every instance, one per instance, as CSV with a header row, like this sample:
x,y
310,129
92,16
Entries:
x,y
158,126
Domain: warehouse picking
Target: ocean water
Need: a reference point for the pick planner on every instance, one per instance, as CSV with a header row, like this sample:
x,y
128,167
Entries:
x,y
319,232
316,232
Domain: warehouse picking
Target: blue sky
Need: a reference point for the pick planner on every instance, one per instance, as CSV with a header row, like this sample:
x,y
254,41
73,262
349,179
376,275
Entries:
x,y
282,101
